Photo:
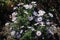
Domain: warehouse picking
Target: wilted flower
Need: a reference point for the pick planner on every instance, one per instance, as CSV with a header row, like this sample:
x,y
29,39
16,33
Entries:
x,y
13,33
35,13
30,18
50,14
38,33
41,13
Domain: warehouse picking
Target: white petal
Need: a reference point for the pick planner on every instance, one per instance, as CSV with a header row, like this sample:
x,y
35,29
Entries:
x,y
50,14
26,6
33,2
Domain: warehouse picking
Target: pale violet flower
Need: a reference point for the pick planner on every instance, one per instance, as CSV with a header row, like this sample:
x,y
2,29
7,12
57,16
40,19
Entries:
x,y
38,19
50,14
13,33
30,18
38,33
35,13
41,13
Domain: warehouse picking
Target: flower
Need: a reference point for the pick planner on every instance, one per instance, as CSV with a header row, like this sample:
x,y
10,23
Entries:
x,y
50,14
14,18
38,19
35,13
38,33
41,13
13,33
48,23
28,6
30,18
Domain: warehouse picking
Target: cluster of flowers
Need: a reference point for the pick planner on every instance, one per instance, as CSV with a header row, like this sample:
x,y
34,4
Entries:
x,y
37,19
